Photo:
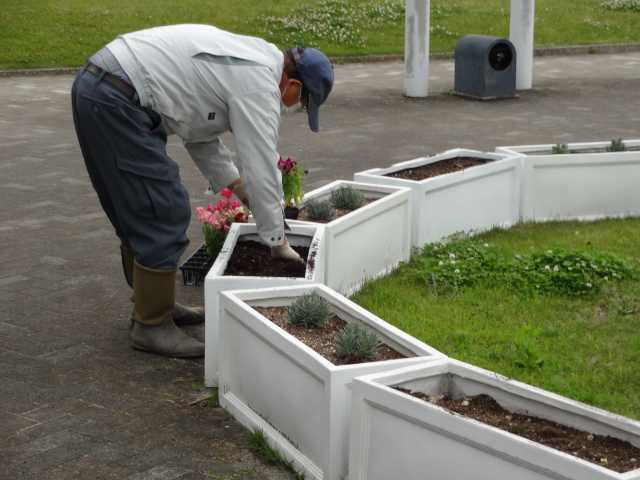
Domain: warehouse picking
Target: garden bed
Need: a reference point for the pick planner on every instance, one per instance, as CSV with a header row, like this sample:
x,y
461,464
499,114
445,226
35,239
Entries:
x,y
391,429
579,184
232,270
379,229
272,381
323,340
471,199
442,167
617,455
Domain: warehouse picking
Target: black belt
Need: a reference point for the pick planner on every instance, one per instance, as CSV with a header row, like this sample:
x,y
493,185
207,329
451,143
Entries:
x,y
120,84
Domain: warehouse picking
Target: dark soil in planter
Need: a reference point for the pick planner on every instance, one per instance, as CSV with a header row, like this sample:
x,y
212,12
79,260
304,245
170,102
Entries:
x,y
253,259
612,453
438,168
323,340
340,212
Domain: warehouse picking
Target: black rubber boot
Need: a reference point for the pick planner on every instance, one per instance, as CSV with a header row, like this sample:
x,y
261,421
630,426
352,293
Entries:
x,y
153,329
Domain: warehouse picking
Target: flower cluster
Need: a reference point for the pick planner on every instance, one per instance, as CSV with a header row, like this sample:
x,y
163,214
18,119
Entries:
x,y
292,175
217,219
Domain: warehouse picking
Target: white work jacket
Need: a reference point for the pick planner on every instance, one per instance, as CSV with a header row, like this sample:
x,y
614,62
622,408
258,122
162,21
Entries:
x,y
204,81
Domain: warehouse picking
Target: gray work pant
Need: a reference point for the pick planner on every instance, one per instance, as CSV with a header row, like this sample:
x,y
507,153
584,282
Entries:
x,y
139,187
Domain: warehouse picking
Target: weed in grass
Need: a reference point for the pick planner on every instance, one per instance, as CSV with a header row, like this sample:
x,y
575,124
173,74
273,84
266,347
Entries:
x,y
631,5
338,21
259,444
448,268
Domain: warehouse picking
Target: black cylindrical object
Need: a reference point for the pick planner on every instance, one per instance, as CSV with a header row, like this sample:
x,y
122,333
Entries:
x,y
485,67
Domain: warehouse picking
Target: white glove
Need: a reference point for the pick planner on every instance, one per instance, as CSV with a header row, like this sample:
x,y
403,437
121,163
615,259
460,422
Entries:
x,y
285,252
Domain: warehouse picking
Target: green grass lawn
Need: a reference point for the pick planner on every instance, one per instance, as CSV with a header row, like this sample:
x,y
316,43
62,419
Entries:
x,y
53,33
584,347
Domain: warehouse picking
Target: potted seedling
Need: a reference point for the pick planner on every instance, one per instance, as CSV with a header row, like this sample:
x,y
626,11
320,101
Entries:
x,y
452,420
216,221
367,230
292,175
586,182
287,362
456,191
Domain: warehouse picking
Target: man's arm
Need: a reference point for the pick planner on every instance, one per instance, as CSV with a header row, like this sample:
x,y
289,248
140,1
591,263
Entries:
x,y
215,162
255,119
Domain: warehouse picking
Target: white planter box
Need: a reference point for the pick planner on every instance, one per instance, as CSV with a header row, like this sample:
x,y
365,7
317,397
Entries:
x,y
270,380
578,186
394,435
367,242
216,281
471,200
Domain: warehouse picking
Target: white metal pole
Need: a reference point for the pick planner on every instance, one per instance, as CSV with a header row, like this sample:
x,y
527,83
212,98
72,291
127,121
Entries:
x,y
416,47
521,35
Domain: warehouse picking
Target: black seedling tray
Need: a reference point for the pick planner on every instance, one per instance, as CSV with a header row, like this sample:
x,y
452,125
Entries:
x,y
196,267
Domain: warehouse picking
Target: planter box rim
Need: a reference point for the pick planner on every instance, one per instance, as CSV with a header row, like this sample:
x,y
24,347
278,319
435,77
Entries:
x,y
241,299
390,192
239,229
546,149
495,158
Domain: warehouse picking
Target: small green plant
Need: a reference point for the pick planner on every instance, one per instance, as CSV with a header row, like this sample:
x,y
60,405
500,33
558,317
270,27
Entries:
x,y
309,310
259,445
319,210
355,342
617,145
347,198
560,149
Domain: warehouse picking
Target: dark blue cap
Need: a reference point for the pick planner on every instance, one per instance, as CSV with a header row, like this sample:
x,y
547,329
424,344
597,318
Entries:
x,y
316,74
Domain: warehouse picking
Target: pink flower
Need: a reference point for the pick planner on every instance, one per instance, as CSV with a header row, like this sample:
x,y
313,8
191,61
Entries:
x,y
226,192
235,204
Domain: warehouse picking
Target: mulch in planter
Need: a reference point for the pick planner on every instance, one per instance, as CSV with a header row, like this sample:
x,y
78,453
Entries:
x,y
323,340
340,212
253,259
612,453
441,167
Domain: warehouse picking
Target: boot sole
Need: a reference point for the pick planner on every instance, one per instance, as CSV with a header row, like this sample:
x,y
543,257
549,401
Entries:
x,y
141,348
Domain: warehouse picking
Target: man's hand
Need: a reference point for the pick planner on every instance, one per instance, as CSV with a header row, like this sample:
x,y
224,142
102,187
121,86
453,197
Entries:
x,y
238,190
285,252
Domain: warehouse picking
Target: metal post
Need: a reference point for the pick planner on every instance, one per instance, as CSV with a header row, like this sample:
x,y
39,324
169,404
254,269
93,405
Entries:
x,y
521,35
416,47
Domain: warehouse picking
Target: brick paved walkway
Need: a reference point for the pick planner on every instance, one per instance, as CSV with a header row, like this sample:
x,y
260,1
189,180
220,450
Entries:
x,y
75,400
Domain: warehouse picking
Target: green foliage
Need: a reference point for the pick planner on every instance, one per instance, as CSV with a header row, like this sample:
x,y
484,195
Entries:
x,y
213,239
309,310
617,145
347,198
560,148
319,210
292,186
631,5
447,268
356,342
259,445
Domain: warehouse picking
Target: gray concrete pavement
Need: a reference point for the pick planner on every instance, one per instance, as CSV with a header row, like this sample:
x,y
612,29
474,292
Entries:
x,y
75,400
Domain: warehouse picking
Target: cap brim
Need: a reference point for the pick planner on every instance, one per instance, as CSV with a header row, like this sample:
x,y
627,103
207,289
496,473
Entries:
x,y
313,112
